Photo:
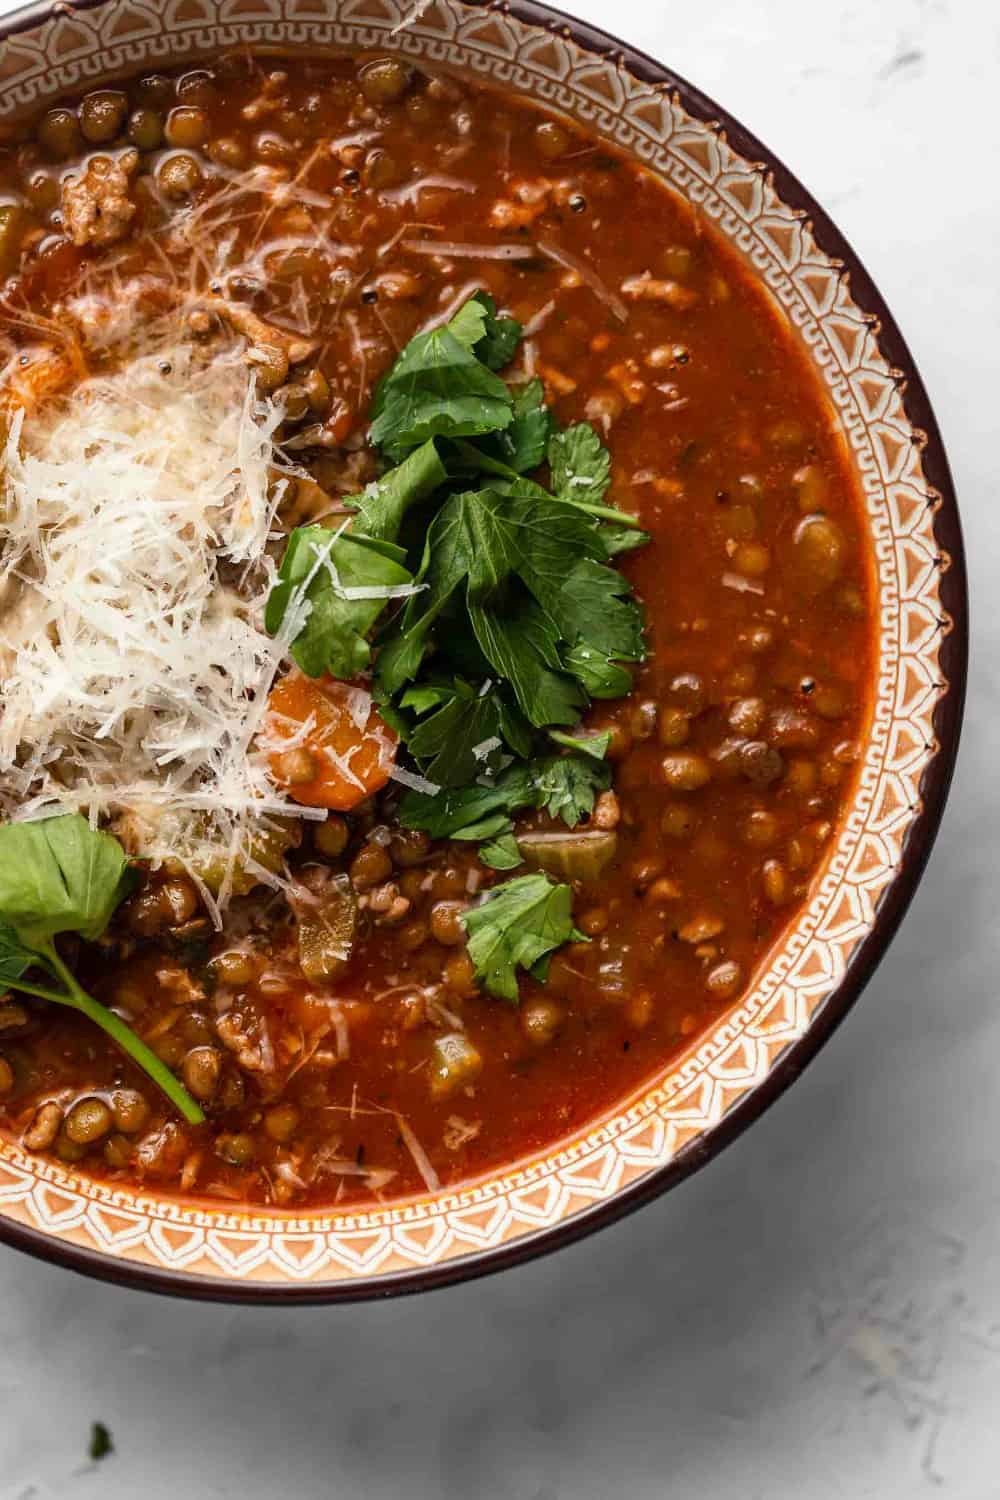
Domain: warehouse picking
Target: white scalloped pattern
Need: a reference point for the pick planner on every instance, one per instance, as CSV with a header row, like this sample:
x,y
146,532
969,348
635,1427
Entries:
x,y
61,51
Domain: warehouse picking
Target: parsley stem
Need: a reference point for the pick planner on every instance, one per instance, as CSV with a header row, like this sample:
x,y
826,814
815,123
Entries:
x,y
606,512
116,1029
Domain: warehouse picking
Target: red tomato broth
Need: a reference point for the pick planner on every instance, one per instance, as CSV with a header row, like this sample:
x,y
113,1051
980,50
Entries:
x,y
724,444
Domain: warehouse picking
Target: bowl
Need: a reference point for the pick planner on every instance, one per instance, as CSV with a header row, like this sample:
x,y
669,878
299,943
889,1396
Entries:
x,y
815,974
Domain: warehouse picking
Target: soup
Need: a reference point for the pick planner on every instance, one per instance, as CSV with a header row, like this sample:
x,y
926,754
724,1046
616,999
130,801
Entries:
x,y
436,630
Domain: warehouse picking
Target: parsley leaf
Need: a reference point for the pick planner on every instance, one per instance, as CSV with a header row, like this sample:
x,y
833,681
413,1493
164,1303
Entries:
x,y
568,786
382,506
590,603
522,445
440,387
447,744
521,643
501,853
595,745
580,464
445,814
477,541
517,926
501,336
327,571
15,958
463,543
60,875
617,538
600,677
426,696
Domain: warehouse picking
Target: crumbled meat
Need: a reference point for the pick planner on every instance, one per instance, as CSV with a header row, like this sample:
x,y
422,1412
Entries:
x,y
29,385
180,985
270,350
532,199
97,209
249,1054
648,288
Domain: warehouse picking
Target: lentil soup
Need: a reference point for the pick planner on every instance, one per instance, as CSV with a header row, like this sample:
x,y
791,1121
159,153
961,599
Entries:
x,y
436,630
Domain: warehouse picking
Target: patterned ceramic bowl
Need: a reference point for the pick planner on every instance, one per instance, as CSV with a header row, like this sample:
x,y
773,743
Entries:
x,y
686,1115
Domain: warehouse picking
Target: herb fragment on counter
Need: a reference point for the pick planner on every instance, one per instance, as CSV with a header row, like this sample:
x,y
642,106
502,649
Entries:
x,y
60,875
101,1442
519,925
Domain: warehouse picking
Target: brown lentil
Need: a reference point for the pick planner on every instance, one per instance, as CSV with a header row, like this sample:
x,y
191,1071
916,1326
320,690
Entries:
x,y
675,726
201,1071
44,1128
370,866
446,923
281,1122
130,1110
88,1121
540,1021
685,771
102,115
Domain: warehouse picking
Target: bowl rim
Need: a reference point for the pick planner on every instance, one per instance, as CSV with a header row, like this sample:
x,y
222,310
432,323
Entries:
x,y
895,900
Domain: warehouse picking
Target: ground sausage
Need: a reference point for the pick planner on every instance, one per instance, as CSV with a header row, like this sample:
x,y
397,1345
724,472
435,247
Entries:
x,y
96,206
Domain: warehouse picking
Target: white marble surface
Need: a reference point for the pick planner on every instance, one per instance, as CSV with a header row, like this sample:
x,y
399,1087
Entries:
x,y
816,1314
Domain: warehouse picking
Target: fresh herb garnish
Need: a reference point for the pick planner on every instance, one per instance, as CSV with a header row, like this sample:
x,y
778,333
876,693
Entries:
x,y
514,621
526,577
566,786
501,853
518,926
384,504
341,581
594,745
444,382
580,465
459,739
342,578
60,875
522,446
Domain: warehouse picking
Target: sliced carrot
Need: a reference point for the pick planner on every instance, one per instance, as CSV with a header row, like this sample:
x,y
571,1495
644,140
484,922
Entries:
x,y
347,751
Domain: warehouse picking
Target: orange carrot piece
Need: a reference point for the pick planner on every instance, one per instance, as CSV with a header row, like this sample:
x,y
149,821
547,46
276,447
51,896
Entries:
x,y
339,761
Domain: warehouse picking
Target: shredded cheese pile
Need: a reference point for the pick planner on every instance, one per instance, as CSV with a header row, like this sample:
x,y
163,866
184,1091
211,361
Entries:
x,y
133,671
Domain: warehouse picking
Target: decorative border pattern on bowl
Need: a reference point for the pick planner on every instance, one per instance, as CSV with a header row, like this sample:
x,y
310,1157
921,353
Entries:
x,y
825,958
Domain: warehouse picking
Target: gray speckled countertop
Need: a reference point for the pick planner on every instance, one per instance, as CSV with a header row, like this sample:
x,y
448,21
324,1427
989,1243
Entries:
x,y
818,1312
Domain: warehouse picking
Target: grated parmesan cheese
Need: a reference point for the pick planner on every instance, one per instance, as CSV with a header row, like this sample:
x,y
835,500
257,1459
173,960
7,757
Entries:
x,y
485,748
133,672
414,781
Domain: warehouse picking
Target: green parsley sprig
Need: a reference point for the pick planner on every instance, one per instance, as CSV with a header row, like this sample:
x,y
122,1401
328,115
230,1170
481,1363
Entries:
x,y
494,525
60,875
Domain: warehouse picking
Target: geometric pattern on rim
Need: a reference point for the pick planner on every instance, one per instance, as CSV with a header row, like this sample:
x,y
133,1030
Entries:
x,y
57,52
